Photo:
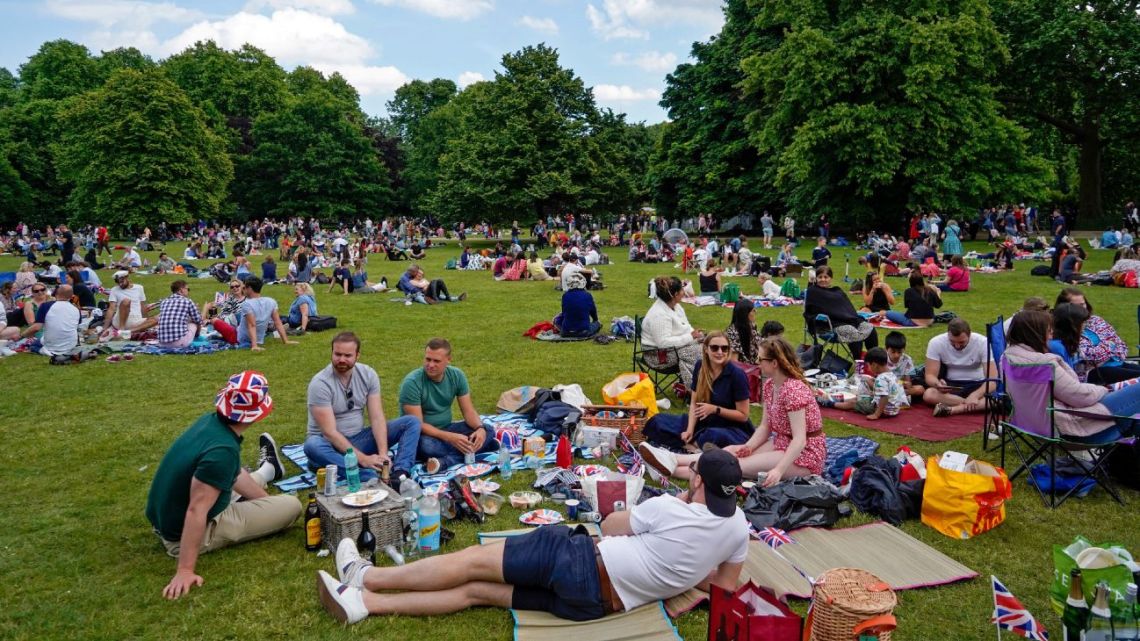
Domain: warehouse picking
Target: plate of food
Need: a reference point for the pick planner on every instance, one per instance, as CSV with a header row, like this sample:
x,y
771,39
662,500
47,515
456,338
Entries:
x,y
475,469
480,486
541,516
364,498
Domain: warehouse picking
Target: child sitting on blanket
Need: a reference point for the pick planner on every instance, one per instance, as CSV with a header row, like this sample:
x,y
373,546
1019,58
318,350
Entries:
x,y
879,394
901,364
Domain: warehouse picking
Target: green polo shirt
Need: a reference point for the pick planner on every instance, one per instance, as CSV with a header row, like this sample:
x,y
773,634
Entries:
x,y
435,399
208,451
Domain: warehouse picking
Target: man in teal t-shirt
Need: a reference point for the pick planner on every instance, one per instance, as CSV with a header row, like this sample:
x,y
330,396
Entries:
x,y
428,393
189,505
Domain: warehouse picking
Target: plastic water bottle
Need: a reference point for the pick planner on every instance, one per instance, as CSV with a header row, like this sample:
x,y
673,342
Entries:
x,y
429,524
505,463
411,521
351,470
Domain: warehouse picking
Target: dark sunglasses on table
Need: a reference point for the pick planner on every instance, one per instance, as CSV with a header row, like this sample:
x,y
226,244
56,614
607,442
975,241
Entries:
x,y
719,348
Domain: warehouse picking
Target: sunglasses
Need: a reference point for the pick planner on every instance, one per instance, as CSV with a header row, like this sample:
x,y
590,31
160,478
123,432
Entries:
x,y
38,291
235,286
693,467
348,397
719,348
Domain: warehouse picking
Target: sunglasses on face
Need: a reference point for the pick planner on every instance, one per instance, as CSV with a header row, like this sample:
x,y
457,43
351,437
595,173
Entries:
x,y
718,348
38,291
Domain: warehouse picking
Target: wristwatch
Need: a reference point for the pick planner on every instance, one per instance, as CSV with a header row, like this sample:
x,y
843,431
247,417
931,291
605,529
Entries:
x,y
718,410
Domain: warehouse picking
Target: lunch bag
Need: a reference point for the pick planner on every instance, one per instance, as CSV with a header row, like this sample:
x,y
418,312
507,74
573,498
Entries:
x,y
321,323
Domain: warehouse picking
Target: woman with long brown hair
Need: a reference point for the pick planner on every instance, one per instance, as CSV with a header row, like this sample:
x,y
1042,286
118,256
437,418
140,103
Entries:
x,y
718,411
790,413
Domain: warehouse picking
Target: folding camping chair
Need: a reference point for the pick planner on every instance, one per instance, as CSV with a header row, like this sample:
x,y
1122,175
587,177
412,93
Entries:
x,y
661,364
821,332
1031,431
997,401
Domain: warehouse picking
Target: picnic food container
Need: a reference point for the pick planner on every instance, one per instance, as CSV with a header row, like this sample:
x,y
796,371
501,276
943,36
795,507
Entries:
x,y
629,419
525,500
848,602
339,521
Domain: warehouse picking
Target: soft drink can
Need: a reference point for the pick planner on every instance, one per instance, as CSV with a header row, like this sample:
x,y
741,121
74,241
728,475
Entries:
x,y
330,480
761,477
589,517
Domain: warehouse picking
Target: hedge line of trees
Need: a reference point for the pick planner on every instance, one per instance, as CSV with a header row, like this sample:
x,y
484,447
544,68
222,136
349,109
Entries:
x,y
864,111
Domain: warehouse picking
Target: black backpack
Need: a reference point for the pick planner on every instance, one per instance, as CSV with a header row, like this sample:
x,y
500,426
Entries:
x,y
1040,270
552,415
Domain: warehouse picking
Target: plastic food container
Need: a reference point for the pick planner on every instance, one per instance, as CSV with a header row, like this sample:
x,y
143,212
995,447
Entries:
x,y
491,502
525,500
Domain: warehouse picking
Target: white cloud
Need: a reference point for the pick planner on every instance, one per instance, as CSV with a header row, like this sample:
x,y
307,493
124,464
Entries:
x,y
469,78
124,14
651,61
624,93
626,18
453,9
322,7
289,35
368,80
544,25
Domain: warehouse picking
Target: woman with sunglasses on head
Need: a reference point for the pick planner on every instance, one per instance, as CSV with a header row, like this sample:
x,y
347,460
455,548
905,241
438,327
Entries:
x,y
718,413
799,447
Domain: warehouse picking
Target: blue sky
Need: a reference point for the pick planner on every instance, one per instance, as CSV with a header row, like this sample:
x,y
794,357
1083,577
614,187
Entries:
x,y
621,48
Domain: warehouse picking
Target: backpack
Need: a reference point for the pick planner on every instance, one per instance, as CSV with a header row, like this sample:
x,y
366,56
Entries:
x,y
321,323
220,272
730,293
1040,270
321,279
790,288
451,264
622,327
552,415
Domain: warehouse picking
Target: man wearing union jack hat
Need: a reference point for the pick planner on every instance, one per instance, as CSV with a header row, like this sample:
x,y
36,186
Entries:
x,y
190,506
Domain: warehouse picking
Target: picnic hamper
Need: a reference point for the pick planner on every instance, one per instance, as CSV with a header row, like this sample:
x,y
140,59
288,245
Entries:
x,y
340,521
847,602
631,422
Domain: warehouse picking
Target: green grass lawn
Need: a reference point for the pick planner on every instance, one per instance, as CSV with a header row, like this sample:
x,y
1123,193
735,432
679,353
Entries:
x,y
81,444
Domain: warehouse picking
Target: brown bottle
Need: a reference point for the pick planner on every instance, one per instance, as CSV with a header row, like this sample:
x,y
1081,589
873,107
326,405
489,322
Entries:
x,y
312,524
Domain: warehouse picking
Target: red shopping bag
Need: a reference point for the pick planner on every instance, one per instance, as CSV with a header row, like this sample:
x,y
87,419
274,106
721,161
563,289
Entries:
x,y
751,613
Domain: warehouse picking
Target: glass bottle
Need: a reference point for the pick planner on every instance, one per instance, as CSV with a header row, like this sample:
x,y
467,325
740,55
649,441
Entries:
x,y
1075,616
366,540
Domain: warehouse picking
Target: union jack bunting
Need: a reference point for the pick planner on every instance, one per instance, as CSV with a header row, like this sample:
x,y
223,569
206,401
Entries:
x,y
774,537
1011,615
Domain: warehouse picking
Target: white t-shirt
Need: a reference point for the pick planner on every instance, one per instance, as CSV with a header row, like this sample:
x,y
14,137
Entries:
x,y
567,270
967,364
677,545
132,258
134,296
61,328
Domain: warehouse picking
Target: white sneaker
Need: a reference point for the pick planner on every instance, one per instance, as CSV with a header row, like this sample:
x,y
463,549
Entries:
x,y
350,566
660,459
344,602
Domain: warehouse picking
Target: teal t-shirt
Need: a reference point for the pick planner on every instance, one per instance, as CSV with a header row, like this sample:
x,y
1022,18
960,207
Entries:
x,y
208,451
435,399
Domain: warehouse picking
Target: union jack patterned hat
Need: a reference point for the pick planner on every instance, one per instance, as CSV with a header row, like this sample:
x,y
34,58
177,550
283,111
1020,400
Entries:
x,y
245,398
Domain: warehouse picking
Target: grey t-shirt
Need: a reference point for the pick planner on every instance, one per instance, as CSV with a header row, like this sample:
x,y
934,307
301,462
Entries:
x,y
348,402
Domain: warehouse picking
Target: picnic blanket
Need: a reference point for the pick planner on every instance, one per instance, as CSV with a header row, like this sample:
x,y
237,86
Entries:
x,y
884,323
761,301
208,347
648,622
553,336
917,421
900,560
842,451
702,301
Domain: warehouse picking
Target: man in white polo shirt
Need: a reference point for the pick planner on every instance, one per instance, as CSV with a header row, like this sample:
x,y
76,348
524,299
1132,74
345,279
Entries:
x,y
957,380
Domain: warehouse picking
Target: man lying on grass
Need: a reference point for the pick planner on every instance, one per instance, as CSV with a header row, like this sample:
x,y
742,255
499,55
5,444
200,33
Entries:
x,y
657,550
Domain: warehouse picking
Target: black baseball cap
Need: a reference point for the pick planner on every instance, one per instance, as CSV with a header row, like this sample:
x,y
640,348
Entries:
x,y
720,472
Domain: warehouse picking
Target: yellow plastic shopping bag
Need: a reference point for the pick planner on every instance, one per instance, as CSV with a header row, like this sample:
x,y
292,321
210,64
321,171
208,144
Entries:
x,y
631,388
964,504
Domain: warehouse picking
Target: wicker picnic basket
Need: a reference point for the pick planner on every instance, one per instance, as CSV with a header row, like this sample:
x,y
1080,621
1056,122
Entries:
x,y
631,422
339,521
847,602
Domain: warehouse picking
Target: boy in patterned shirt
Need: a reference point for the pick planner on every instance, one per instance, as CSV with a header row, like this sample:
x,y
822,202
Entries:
x,y
879,393
901,364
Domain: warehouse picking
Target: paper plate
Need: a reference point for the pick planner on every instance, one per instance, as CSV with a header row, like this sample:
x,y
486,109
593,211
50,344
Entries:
x,y
541,516
364,498
479,486
477,469
590,469
810,372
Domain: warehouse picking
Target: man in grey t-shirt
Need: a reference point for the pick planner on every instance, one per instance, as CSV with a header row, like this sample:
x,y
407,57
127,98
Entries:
x,y
338,396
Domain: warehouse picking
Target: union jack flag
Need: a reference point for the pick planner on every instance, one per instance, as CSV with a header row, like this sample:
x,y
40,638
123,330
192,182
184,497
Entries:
x,y
775,537
1011,615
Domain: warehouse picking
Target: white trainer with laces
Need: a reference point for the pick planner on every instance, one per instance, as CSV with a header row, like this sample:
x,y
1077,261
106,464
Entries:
x,y
350,566
270,453
658,458
344,602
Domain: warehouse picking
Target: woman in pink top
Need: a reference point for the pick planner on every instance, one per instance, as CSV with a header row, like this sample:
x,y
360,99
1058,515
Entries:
x,y
790,413
957,277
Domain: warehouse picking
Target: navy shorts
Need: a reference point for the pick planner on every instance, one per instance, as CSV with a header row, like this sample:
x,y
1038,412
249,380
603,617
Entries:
x,y
554,569
966,387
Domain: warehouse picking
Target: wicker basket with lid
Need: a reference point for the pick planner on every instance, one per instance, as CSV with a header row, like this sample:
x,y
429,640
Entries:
x,y
847,602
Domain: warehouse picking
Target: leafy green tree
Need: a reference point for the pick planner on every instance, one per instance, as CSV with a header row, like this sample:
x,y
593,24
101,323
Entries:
x,y
240,84
16,195
1073,67
615,159
520,142
59,69
424,126
138,153
311,159
415,100
869,110
31,128
9,88
123,58
386,143
706,162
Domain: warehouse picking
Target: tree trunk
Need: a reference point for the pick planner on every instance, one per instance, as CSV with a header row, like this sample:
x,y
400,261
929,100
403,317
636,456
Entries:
x,y
1090,208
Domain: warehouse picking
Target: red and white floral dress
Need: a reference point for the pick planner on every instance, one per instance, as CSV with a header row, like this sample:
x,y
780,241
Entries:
x,y
795,395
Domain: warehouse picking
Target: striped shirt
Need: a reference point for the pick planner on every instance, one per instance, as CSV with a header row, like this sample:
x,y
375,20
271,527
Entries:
x,y
173,315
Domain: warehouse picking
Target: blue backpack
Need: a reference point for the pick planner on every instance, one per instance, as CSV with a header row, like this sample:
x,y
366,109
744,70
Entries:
x,y
552,415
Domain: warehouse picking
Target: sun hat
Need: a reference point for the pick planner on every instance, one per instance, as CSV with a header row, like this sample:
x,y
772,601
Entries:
x,y
720,472
122,273
245,398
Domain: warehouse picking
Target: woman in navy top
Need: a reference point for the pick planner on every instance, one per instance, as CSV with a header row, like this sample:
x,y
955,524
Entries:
x,y
719,411
579,315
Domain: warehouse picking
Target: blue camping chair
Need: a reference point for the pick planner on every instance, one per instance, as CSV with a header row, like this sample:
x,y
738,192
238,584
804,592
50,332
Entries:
x,y
997,401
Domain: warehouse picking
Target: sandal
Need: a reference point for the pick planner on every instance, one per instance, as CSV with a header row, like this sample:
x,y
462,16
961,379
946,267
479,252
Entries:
x,y
942,409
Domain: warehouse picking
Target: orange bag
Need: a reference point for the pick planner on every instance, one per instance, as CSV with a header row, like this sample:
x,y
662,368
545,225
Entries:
x,y
964,504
